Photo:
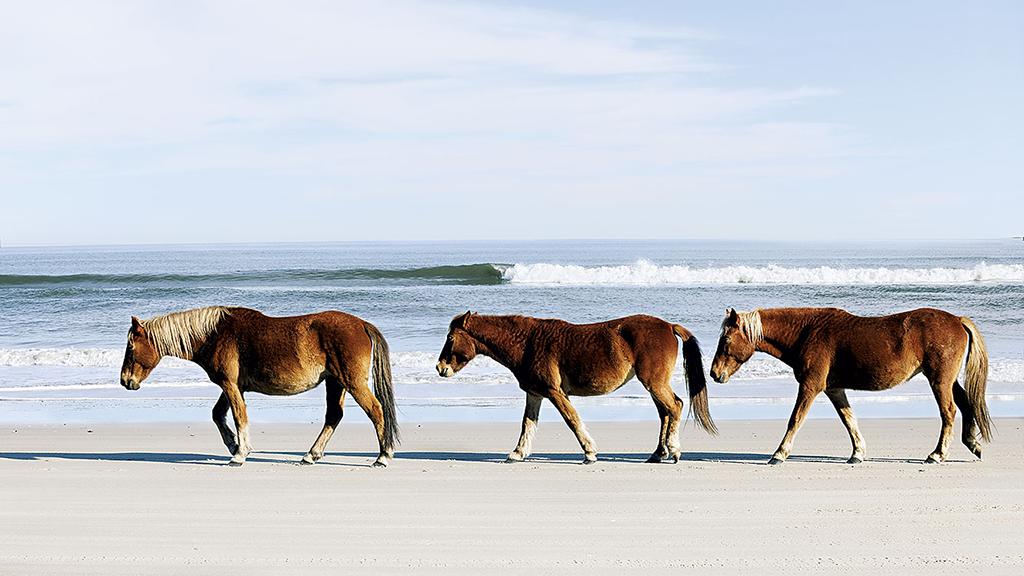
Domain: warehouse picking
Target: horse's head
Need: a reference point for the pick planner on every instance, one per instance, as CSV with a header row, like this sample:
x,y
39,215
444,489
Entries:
x,y
459,348
734,348
140,356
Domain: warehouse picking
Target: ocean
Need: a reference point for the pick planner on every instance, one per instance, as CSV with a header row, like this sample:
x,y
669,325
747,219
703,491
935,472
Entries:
x,y
65,313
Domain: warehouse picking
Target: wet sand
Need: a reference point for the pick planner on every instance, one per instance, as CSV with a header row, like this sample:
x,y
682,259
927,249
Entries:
x,y
159,499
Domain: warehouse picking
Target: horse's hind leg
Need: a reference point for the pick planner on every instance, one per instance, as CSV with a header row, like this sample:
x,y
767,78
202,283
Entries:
x,y
220,418
942,388
670,408
572,419
369,403
335,410
969,434
842,405
530,416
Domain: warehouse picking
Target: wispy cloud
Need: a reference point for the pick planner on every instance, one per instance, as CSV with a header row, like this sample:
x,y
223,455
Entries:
x,y
110,73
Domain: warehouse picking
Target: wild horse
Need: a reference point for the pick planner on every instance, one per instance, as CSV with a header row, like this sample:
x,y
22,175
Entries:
x,y
831,350
554,359
243,350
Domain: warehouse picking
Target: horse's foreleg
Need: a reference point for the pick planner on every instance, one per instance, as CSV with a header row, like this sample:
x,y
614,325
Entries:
x,y
335,410
804,398
369,403
572,419
530,416
947,410
969,434
842,405
220,418
237,403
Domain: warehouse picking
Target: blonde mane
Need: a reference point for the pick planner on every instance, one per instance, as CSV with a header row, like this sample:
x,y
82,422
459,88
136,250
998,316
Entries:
x,y
172,334
750,325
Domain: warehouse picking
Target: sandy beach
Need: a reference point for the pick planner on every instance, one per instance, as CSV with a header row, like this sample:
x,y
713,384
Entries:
x,y
159,499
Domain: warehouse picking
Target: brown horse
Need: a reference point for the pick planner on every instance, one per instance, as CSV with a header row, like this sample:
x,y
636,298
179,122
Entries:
x,y
831,350
554,359
244,351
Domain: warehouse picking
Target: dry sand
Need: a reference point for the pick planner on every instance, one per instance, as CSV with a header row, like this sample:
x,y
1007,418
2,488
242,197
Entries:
x,y
159,499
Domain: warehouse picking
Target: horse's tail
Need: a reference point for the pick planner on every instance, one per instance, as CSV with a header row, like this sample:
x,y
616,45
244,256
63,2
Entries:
x,y
382,386
976,376
695,380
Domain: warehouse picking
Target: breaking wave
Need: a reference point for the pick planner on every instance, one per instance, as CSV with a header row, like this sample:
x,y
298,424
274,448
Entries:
x,y
644,272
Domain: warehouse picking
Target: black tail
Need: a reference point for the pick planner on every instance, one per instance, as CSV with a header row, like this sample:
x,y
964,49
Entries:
x,y
382,387
695,380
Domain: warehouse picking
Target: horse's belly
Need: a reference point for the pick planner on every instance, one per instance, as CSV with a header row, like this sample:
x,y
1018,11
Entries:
x,y
597,386
285,385
878,379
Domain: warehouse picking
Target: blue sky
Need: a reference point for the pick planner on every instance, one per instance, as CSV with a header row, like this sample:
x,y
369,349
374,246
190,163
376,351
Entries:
x,y
179,121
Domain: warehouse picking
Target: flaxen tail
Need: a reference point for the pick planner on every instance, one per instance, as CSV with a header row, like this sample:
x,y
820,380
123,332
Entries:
x,y
976,376
697,384
382,386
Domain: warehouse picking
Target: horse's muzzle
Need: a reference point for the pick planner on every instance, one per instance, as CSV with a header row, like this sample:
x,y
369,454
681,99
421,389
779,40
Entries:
x,y
130,383
721,378
444,370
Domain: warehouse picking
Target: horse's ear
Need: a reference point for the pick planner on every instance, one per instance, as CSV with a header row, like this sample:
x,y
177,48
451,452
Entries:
x,y
137,327
460,321
734,318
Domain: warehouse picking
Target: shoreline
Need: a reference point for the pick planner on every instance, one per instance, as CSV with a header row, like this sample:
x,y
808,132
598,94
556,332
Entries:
x,y
131,498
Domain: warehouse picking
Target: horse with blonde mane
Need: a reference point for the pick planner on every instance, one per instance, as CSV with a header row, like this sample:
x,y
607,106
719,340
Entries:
x,y
831,350
243,350
554,359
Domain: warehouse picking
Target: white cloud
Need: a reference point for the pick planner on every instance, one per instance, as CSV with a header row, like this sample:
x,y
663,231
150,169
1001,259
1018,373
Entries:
x,y
380,101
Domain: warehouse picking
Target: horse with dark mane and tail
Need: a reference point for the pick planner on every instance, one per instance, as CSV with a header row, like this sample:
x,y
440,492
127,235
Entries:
x,y
831,350
243,350
554,359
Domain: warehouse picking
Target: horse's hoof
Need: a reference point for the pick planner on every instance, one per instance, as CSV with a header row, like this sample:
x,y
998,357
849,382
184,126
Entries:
x,y
931,460
306,462
511,460
977,451
651,460
587,461
775,461
379,464
854,460
236,463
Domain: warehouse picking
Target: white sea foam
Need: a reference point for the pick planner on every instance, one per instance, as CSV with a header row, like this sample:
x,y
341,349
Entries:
x,y
646,273
112,358
418,367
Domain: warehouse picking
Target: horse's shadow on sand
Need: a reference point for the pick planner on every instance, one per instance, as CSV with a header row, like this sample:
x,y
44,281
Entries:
x,y
345,459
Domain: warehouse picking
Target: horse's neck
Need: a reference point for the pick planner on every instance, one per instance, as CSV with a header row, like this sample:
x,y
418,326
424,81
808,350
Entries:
x,y
500,337
781,332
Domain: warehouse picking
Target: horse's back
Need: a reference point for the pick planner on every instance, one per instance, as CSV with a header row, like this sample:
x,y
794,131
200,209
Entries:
x,y
617,336
257,325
